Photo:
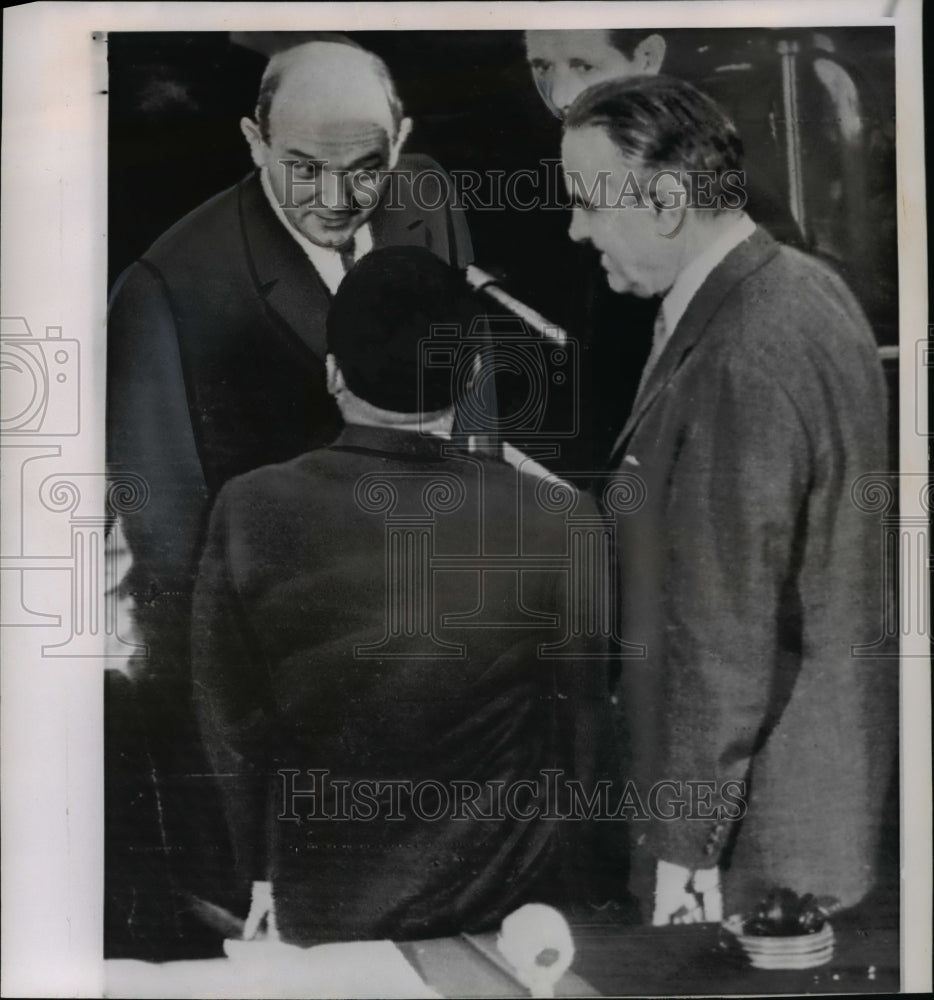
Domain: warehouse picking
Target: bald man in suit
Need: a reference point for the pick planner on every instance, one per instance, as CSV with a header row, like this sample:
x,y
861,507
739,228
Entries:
x,y
216,365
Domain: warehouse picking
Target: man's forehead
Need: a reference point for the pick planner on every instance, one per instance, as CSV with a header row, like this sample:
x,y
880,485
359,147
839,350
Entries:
x,y
326,135
590,146
333,83
595,166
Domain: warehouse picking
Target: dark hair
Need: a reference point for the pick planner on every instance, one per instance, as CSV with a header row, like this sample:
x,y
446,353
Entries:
x,y
661,122
627,40
272,78
382,319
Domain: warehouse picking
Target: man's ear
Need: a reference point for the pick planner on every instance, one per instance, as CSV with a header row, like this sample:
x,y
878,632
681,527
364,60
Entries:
x,y
335,377
254,138
670,200
395,148
649,55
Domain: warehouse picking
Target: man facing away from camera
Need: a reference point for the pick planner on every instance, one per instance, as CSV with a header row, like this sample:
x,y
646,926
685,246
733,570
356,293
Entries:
x,y
374,689
749,574
216,365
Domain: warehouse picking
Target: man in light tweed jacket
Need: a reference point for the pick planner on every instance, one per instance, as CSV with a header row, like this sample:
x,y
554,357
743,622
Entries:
x,y
748,574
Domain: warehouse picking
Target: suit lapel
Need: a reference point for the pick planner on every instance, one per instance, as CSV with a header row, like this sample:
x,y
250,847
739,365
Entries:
x,y
399,226
284,276
749,256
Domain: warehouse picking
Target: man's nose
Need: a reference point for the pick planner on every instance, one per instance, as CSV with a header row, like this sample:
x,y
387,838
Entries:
x,y
564,88
578,228
335,191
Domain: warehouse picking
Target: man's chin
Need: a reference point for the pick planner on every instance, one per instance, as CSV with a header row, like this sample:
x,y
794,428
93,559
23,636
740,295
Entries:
x,y
620,285
331,234
623,287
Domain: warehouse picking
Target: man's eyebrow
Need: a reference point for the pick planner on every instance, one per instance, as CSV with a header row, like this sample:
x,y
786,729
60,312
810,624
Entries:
x,y
377,155
305,158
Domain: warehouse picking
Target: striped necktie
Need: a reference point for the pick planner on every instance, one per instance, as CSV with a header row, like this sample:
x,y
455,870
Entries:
x,y
659,340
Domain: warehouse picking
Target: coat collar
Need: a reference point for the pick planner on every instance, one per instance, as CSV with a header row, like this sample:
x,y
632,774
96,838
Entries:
x,y
286,279
749,256
283,275
394,443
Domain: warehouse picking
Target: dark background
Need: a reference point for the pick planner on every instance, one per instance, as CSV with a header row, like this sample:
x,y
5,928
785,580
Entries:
x,y
176,100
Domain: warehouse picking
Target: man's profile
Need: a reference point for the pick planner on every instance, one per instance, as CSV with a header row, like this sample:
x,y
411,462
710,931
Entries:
x,y
749,574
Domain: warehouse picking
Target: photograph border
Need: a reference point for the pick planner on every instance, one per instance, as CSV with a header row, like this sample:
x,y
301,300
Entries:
x,y
54,267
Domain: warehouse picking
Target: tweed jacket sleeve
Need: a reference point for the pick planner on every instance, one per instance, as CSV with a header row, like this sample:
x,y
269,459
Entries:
x,y
739,493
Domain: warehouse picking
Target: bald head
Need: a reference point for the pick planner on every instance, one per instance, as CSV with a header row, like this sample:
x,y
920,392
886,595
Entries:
x,y
328,124
343,80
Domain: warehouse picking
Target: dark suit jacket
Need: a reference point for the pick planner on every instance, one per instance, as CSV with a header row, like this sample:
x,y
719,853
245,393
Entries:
x,y
750,575
299,572
216,344
216,347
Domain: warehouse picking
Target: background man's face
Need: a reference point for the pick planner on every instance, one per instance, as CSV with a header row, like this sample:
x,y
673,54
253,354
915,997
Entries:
x,y
322,167
637,257
565,63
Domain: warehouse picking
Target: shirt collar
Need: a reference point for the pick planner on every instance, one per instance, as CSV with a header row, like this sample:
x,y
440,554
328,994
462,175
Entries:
x,y
326,261
689,281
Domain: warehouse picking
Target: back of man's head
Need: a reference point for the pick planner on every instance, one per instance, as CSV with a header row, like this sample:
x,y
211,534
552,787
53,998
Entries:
x,y
662,123
380,327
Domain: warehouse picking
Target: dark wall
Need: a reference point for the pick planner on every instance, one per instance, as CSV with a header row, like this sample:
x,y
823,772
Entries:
x,y
176,100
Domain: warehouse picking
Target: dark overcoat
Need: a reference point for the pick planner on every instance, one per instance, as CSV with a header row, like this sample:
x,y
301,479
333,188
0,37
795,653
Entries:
x,y
379,611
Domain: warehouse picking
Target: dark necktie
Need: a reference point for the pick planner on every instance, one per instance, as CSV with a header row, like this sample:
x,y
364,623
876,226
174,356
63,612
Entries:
x,y
347,254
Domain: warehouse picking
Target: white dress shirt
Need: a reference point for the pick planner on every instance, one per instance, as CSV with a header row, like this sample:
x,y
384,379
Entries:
x,y
326,261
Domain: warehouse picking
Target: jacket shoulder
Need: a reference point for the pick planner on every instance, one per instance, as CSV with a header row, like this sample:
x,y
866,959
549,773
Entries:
x,y
205,231
419,163
424,191
791,309
793,324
